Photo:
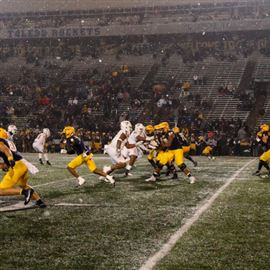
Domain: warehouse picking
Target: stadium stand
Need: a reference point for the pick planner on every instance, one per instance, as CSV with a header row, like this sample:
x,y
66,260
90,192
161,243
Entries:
x,y
203,76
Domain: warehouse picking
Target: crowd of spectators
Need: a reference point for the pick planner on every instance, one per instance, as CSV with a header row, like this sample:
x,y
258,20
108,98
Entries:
x,y
92,99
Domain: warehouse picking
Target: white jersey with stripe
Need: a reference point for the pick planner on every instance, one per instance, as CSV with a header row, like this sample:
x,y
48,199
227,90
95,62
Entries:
x,y
117,137
40,139
132,139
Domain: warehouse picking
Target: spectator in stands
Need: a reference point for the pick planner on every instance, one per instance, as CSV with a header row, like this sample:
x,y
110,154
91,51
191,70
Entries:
x,y
185,88
161,102
195,79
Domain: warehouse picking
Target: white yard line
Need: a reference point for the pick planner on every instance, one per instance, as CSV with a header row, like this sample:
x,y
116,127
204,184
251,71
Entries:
x,y
167,247
85,205
59,181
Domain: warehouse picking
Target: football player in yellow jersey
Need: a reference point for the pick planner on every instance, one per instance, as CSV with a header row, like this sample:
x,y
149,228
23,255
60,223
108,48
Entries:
x,y
15,180
84,156
172,150
208,146
263,137
152,145
186,144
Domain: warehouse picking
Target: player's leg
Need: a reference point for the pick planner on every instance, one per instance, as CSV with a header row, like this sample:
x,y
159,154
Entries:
x,y
263,162
29,191
179,161
93,168
72,165
161,160
47,158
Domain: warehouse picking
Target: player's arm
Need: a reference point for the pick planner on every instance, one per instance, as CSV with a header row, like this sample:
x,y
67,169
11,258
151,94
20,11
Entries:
x,y
119,142
4,149
169,141
265,138
3,166
259,136
140,140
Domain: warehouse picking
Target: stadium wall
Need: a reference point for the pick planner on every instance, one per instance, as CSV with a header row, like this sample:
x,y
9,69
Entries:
x,y
127,30
19,6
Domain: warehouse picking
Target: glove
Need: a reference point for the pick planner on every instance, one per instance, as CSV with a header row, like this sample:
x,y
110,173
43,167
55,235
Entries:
x,y
11,163
63,151
87,155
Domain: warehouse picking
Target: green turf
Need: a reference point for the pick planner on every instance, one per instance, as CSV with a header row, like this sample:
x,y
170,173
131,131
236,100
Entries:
x,y
122,226
233,234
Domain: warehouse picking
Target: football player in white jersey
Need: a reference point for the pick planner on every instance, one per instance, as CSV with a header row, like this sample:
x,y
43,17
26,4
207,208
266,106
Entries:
x,y
116,149
12,130
39,145
135,146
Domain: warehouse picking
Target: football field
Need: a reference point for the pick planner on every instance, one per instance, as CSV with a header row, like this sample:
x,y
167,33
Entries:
x,y
220,222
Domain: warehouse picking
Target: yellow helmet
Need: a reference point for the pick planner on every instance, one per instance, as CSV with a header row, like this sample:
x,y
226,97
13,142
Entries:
x,y
264,127
176,130
68,131
164,126
149,129
3,133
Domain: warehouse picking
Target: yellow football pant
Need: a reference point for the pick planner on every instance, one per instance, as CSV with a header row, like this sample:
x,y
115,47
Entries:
x,y
164,157
178,156
207,150
186,149
79,160
193,146
152,154
265,156
17,176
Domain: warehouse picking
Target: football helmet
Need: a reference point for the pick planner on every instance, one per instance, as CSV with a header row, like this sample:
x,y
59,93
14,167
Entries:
x,y
68,131
149,129
3,133
126,126
163,126
12,129
47,132
140,129
264,127
176,130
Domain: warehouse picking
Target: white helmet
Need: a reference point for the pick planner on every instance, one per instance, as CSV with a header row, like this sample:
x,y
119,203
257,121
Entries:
x,y
47,132
126,126
12,129
140,129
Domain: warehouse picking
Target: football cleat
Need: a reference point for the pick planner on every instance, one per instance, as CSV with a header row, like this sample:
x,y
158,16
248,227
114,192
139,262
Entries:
x,y
48,163
192,179
151,179
175,176
41,162
110,179
27,194
81,180
127,173
257,173
40,204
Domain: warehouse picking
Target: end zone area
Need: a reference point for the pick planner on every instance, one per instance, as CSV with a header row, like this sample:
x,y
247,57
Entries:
x,y
96,226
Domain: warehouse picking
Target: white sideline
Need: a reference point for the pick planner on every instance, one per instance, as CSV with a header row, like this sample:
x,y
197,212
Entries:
x,y
167,247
